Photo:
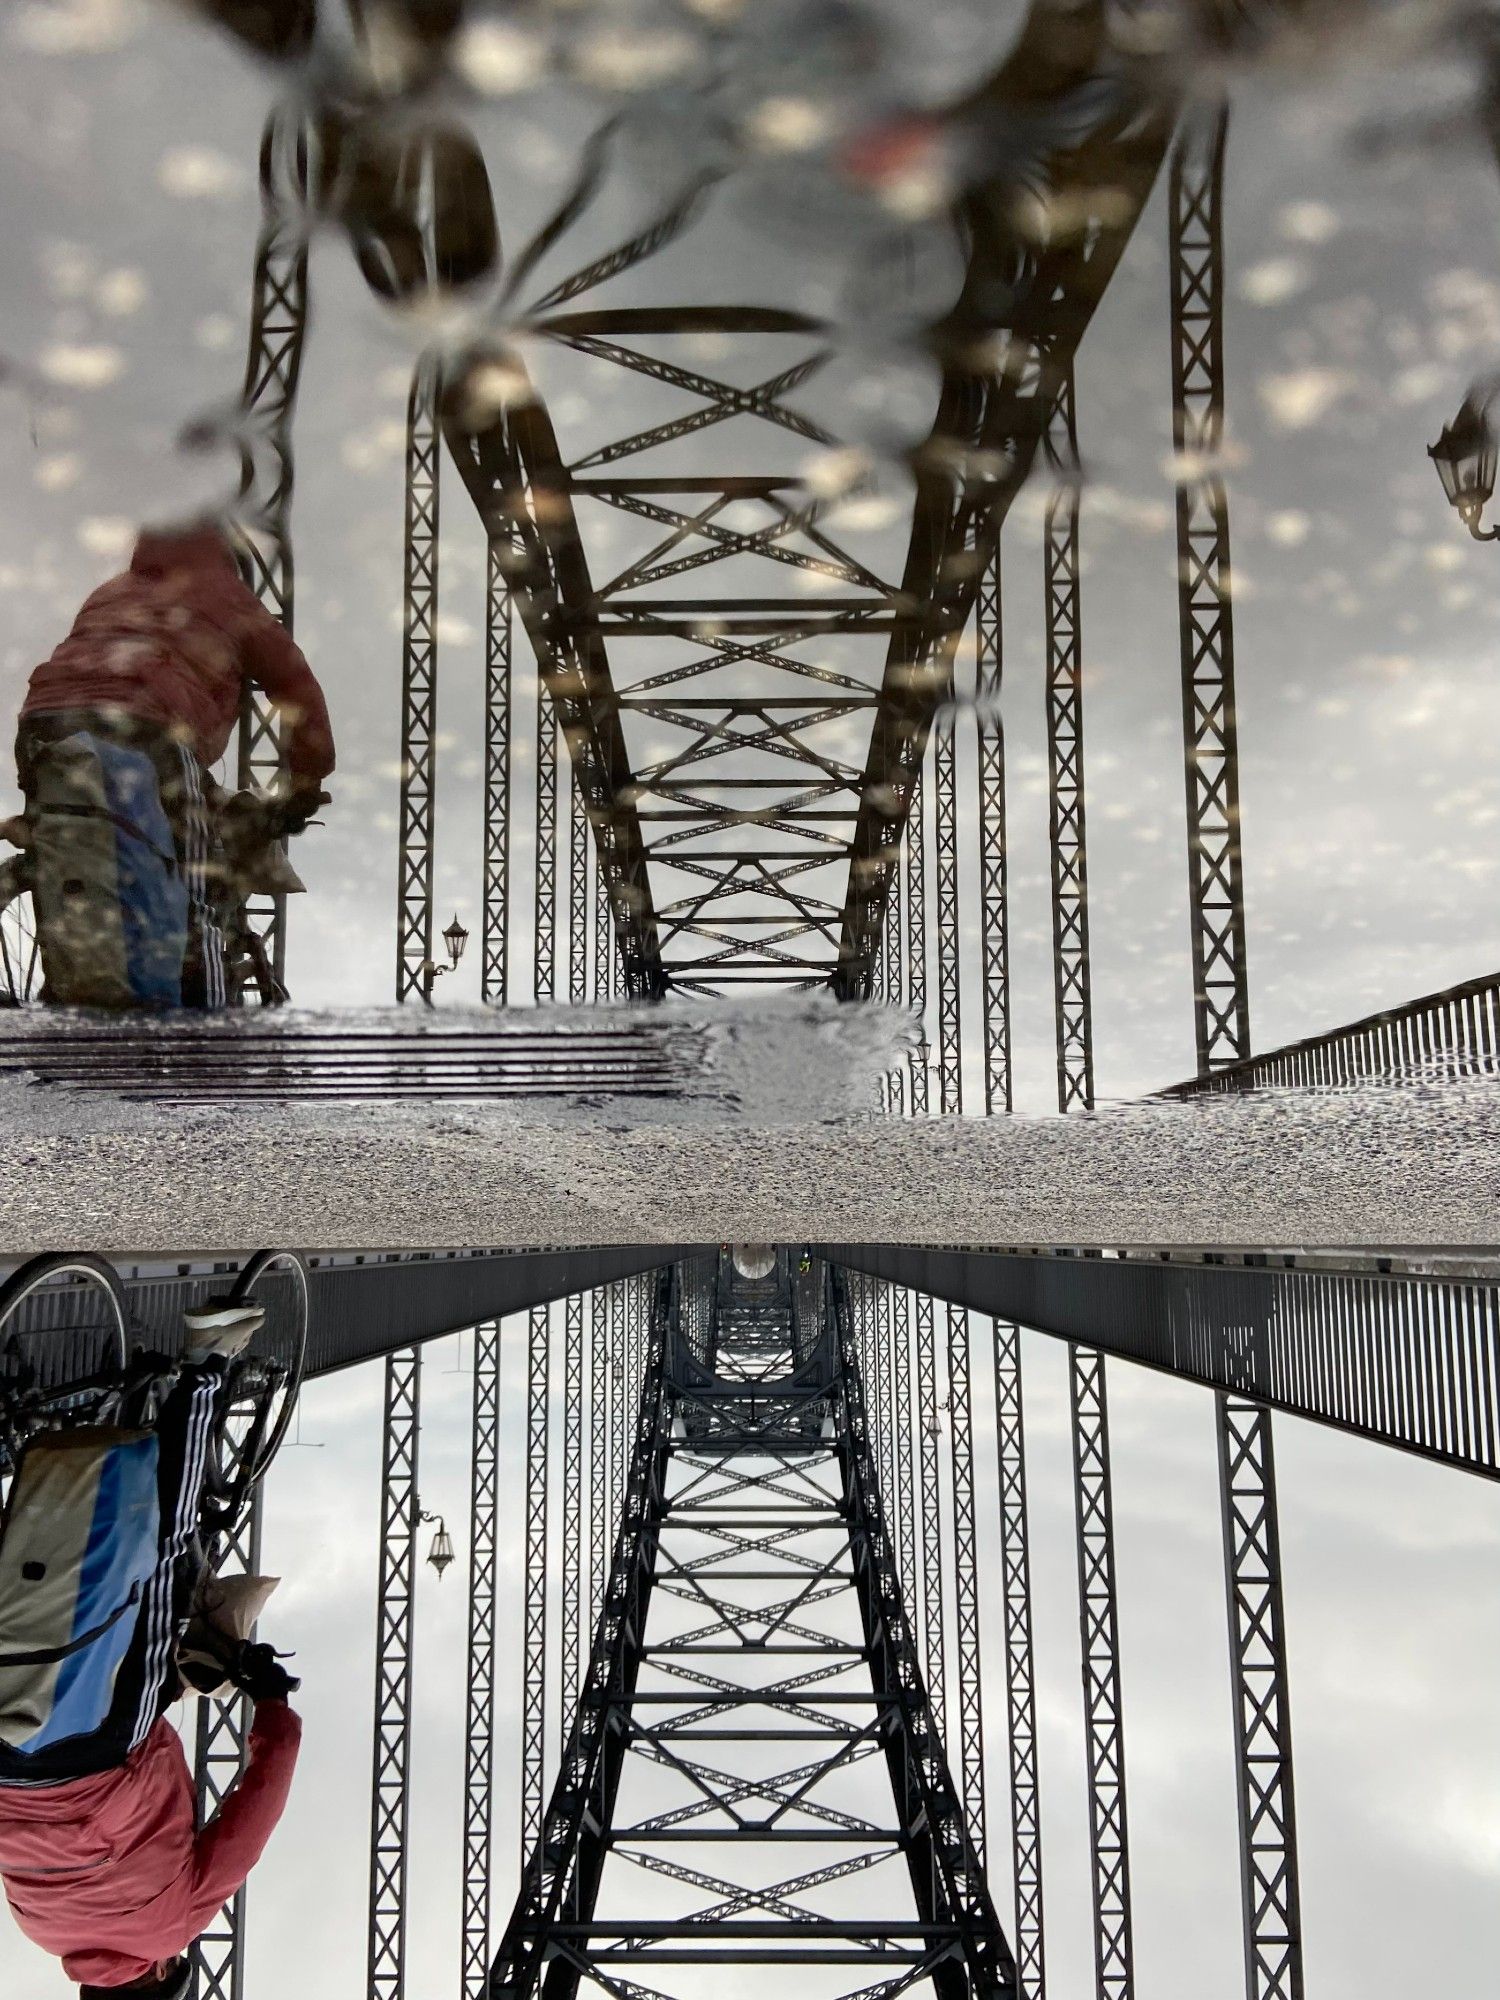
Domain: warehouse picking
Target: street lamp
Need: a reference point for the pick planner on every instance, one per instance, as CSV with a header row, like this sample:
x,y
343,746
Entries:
x,y
1465,459
441,1552
455,937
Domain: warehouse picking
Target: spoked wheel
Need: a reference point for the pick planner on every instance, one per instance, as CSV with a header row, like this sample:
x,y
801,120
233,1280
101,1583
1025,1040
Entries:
x,y
264,1381
63,1319
20,950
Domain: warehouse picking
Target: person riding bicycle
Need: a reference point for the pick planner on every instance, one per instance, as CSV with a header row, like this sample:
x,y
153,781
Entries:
x,y
100,1855
159,659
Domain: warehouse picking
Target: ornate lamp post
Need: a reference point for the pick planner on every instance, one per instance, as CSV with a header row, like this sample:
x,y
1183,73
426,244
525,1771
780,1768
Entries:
x,y
455,937
1465,459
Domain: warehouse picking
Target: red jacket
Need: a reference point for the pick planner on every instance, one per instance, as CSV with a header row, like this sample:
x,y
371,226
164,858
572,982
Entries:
x,y
109,1874
174,641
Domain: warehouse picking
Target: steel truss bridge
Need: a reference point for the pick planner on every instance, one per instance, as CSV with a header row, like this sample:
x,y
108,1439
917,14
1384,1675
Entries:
x,y
750,1629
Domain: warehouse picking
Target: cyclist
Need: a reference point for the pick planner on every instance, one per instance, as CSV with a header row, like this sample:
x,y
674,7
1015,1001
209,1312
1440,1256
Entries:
x,y
159,659
100,1855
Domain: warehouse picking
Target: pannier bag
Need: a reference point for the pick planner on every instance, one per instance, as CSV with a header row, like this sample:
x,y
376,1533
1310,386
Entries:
x,y
77,1549
111,905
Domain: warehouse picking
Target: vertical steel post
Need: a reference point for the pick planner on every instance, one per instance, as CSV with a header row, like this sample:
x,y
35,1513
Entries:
x,y
273,367
572,1521
1020,1678
596,1527
544,983
1221,1017
399,1507
221,1748
1205,603
604,936
1270,1889
1069,848
578,889
945,815
1108,1832
905,1459
970,1676
930,1502
994,930
479,1709
895,963
498,647
1109,1845
534,1606
916,942
418,688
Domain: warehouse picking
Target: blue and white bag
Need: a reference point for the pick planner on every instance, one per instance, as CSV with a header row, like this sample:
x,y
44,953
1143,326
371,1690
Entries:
x,y
79,1544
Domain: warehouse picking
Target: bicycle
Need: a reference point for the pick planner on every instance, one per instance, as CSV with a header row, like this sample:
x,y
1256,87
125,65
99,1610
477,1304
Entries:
x,y
70,1356
248,972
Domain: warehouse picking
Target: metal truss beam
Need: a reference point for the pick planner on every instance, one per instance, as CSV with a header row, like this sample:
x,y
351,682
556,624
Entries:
x,y
479,1706
1020,1675
970,1663
578,891
1004,412
544,954
418,688
534,1580
1410,1361
273,367
932,1623
596,1525
391,1799
994,926
949,935
1270,1894
1069,841
914,897
752,1514
1221,1003
681,838
1109,1843
498,651
573,1552
221,1750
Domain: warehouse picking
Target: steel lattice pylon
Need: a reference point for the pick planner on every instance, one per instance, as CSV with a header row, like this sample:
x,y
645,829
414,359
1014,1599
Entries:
x,y
753,1595
495,941
534,1611
273,367
221,1747
399,1508
994,928
1109,1845
1221,1018
950,1018
479,1733
1221,1002
1020,1676
1262,1721
1069,844
418,688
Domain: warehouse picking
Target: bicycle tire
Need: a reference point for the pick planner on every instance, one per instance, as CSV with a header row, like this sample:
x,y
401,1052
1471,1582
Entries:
x,y
106,1319
276,1279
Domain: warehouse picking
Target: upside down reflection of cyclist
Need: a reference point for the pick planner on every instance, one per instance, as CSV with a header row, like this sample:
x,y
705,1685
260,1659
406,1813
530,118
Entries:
x,y
156,667
101,1858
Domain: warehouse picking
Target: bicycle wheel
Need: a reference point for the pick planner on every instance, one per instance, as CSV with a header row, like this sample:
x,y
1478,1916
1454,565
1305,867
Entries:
x,y
20,949
63,1318
265,1380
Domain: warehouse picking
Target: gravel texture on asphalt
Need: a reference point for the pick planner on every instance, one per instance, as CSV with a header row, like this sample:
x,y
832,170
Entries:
x,y
793,1149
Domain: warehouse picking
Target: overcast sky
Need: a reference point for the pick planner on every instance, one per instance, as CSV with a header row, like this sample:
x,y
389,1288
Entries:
x,y
1365,294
